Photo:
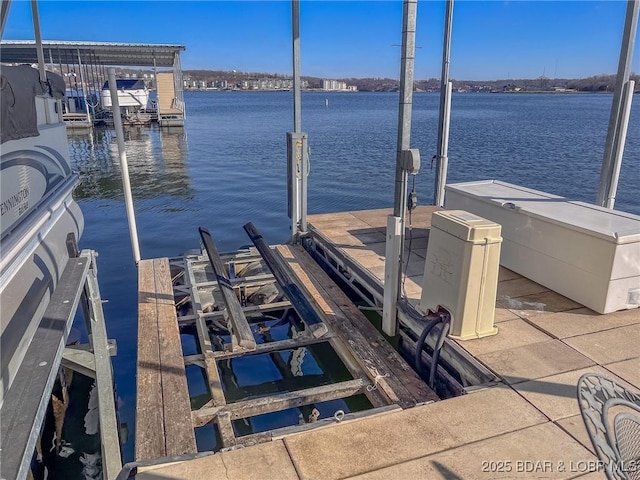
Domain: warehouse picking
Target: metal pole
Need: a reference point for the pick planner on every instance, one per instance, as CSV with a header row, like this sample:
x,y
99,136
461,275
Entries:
x,y
445,98
93,82
627,99
124,166
38,36
297,146
83,85
396,223
40,53
4,13
297,97
58,102
615,124
405,105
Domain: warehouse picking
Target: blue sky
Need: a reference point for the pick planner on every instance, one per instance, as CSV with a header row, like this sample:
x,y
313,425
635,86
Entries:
x,y
491,39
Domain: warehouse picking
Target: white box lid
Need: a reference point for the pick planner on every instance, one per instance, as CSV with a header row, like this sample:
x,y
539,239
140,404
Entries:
x,y
467,226
613,225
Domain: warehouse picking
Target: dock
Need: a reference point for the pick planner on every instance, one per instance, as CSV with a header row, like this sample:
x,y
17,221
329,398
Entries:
x,y
195,294
520,419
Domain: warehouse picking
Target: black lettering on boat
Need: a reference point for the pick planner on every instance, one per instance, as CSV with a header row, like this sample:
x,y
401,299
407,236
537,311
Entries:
x,y
14,200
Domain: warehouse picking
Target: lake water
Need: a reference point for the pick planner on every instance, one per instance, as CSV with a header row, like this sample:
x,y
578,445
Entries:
x,y
228,167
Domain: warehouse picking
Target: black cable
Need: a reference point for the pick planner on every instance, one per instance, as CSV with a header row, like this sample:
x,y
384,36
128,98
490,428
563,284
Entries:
x,y
423,336
436,351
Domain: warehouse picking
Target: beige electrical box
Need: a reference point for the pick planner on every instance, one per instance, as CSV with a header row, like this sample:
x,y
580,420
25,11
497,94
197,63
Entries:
x,y
461,272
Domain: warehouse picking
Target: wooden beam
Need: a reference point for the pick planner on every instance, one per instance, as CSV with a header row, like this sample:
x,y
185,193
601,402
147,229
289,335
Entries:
x,y
149,441
375,396
264,308
163,405
225,428
288,344
179,436
213,376
239,325
283,401
79,360
402,384
287,283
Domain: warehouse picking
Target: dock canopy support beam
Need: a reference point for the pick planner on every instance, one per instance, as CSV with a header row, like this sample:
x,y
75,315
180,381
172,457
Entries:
x,y
442,158
618,121
395,225
297,143
124,165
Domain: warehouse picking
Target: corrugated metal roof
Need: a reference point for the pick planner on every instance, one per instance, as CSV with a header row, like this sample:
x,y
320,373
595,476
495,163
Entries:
x,y
105,53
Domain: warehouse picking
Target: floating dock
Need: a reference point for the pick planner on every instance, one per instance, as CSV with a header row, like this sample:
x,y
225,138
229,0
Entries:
x,y
518,415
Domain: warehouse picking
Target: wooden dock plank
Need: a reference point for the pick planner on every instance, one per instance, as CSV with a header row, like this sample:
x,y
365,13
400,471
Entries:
x,y
179,436
339,323
163,425
399,367
362,336
149,441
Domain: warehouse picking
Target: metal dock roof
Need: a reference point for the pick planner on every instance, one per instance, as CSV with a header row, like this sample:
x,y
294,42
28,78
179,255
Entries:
x,y
105,53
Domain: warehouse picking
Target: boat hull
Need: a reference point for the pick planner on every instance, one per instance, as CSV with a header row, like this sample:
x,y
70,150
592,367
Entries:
x,y
126,98
39,220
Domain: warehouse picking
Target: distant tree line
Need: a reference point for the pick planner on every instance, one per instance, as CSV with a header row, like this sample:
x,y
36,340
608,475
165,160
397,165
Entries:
x,y
596,83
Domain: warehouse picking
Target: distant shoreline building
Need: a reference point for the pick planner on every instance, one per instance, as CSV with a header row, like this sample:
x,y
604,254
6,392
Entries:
x,y
337,85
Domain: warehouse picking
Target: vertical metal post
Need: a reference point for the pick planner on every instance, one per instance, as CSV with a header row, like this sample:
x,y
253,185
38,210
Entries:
x,y
395,226
83,85
615,119
38,38
40,53
95,84
180,88
4,13
442,159
124,166
155,73
297,146
58,102
297,96
625,113
109,437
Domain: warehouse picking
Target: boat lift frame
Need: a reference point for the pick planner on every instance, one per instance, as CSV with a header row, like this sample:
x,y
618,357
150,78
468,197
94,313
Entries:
x,y
25,404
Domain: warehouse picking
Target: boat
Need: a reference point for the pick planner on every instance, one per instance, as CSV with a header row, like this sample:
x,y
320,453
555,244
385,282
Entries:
x,y
131,94
44,277
133,98
38,211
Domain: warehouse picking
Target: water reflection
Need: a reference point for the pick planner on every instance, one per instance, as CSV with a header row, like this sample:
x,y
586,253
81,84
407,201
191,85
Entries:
x,y
157,163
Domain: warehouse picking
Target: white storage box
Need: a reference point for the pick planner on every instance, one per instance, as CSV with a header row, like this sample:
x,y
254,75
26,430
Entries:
x,y
461,272
585,252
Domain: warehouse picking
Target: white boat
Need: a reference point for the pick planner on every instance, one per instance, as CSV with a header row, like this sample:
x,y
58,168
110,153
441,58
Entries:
x,y
38,211
132,95
43,275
